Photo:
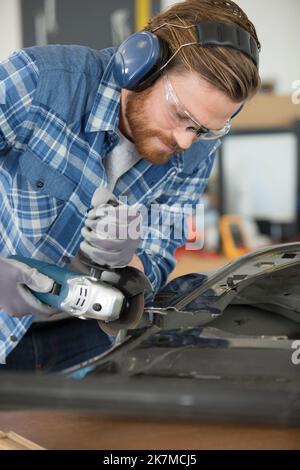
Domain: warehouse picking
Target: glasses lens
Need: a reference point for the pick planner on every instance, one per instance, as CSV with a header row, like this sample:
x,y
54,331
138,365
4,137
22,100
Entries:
x,y
214,134
182,118
174,109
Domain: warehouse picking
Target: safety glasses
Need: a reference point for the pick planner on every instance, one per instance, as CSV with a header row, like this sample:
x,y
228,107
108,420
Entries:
x,y
182,118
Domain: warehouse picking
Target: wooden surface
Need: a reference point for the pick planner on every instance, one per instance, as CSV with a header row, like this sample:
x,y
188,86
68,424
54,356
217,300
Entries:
x,y
67,430
71,430
12,441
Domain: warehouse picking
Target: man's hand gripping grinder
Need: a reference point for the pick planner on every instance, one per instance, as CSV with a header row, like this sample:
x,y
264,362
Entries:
x,y
113,296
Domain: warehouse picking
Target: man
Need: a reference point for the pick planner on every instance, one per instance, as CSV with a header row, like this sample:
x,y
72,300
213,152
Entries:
x,y
69,129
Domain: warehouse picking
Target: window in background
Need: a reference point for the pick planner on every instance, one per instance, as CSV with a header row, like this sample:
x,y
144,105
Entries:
x,y
88,23
260,179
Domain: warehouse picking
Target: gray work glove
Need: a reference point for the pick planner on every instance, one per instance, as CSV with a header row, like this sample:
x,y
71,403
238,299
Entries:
x,y
16,279
111,232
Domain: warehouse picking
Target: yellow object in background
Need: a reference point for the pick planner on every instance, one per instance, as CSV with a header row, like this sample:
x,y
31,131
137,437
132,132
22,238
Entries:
x,y
233,236
142,13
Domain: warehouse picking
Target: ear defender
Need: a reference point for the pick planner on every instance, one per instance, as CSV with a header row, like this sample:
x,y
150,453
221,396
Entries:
x,y
139,59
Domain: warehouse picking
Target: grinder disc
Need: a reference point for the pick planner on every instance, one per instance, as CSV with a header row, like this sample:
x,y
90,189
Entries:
x,y
128,320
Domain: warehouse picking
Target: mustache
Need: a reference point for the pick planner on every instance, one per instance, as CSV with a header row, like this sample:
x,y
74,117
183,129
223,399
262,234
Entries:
x,y
161,136
172,144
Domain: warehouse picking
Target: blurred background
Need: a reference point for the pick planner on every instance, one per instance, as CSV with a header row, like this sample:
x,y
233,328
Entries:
x,y
252,200
253,197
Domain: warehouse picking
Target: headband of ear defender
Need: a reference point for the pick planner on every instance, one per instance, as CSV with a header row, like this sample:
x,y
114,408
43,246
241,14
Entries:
x,y
141,58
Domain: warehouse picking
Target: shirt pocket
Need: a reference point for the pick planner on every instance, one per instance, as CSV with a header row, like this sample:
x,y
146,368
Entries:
x,y
38,194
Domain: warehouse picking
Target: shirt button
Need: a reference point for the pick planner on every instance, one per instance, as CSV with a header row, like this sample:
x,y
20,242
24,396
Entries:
x,y
13,338
40,184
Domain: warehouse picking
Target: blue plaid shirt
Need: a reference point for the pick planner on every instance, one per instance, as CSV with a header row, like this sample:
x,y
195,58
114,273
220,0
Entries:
x,y
59,116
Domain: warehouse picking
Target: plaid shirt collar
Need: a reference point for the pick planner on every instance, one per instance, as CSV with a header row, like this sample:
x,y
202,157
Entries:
x,y
105,111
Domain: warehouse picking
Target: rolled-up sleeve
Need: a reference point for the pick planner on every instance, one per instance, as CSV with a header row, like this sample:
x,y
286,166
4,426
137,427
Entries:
x,y
18,83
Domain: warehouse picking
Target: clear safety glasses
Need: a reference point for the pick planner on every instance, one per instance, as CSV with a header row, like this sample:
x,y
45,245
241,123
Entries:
x,y
182,118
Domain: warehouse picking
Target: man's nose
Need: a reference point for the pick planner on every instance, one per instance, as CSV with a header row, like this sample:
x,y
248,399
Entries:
x,y
184,138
